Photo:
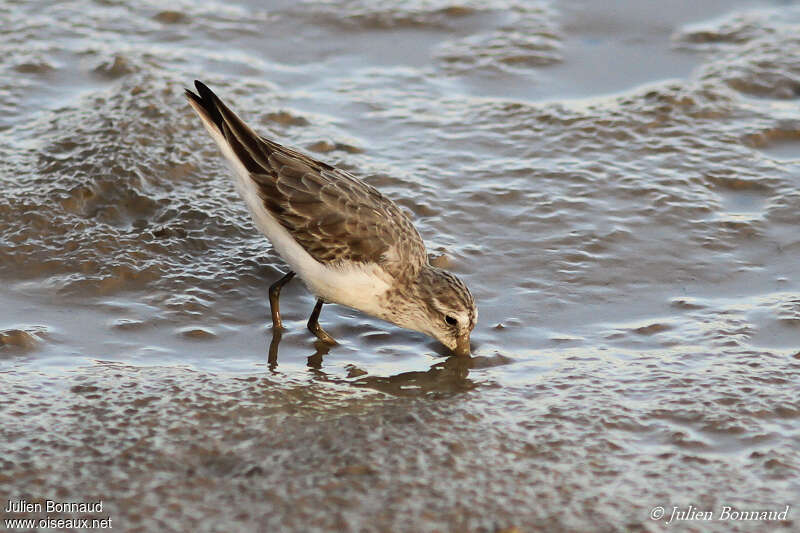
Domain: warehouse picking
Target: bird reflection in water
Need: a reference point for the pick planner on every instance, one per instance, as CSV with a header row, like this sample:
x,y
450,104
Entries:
x,y
443,378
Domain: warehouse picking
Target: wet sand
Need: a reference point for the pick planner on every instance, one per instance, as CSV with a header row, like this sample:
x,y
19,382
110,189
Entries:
x,y
617,185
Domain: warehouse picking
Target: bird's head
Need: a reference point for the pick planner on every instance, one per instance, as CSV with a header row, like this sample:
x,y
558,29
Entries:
x,y
440,306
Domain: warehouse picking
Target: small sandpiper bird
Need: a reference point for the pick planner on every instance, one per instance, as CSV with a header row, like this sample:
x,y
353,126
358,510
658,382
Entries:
x,y
348,243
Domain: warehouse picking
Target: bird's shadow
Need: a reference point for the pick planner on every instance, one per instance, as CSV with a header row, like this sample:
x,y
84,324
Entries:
x,y
314,360
444,378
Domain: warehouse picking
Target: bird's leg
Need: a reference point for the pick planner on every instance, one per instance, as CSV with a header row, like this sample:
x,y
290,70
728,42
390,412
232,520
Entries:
x,y
313,324
272,354
274,294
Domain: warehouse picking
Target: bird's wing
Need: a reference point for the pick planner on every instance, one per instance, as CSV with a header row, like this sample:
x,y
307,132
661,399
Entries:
x,y
332,214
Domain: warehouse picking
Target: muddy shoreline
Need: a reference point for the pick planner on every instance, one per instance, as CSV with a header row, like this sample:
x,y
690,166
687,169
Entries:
x,y
617,186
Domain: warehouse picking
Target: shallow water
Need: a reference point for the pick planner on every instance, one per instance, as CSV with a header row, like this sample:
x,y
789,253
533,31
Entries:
x,y
618,185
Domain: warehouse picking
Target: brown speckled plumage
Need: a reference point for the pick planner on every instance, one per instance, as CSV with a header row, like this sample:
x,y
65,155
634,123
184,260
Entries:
x,y
332,214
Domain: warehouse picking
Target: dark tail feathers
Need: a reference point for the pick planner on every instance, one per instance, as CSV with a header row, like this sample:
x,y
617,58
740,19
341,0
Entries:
x,y
207,100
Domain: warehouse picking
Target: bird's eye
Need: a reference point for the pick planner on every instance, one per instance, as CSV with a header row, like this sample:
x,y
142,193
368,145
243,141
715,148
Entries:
x,y
450,320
